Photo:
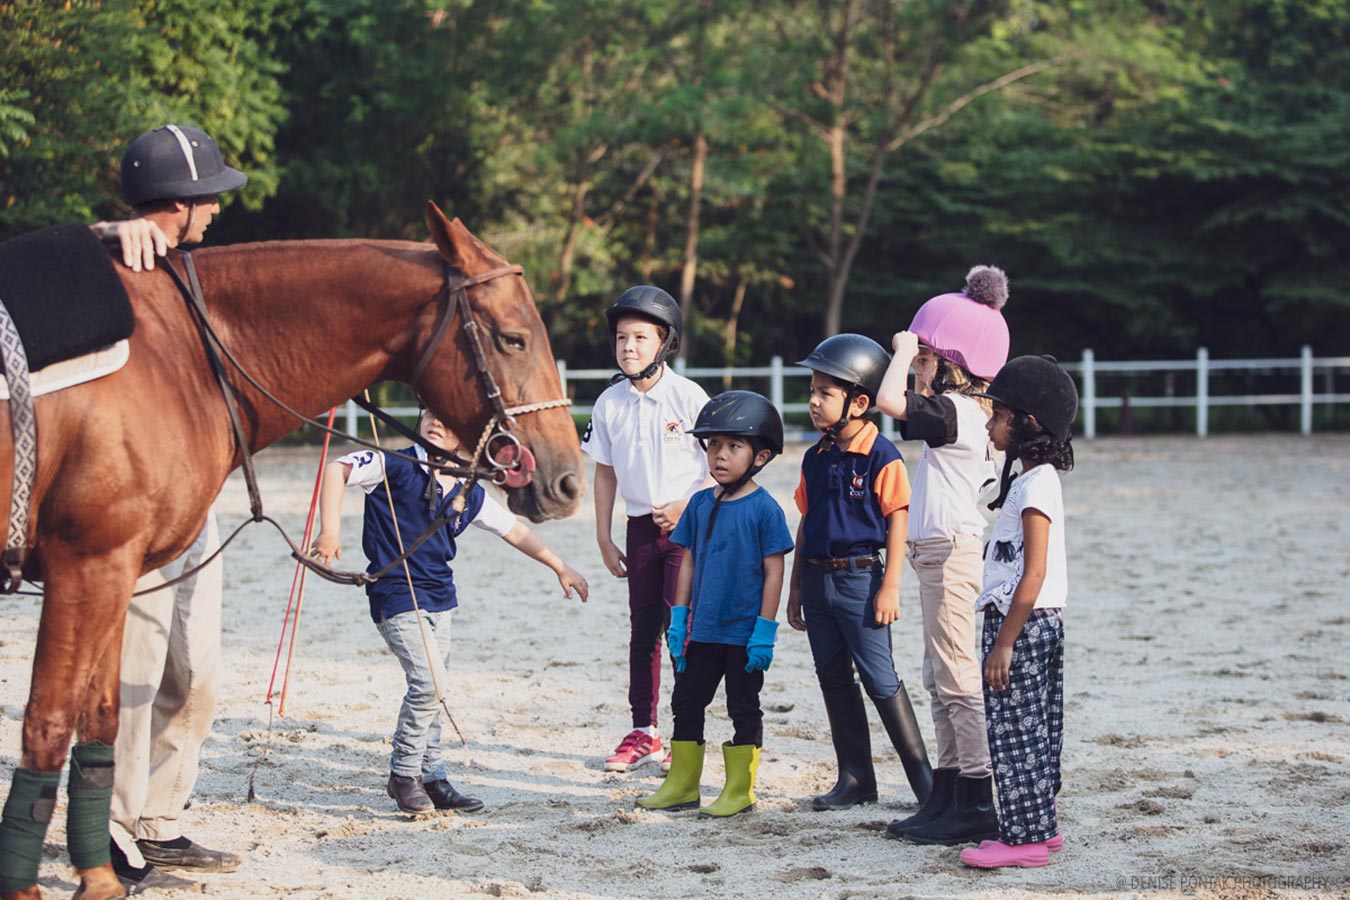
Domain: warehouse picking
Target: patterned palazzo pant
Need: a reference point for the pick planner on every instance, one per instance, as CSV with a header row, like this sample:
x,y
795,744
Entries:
x,y
1026,726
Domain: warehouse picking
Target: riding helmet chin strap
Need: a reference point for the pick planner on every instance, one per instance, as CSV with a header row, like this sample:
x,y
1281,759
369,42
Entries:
x,y
832,433
732,488
655,365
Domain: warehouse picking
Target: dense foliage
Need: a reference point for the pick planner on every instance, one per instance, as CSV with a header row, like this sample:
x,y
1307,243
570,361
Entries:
x,y
1152,176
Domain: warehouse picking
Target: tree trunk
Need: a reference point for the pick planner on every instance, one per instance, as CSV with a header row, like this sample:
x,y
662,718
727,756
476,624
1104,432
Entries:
x,y
729,334
562,282
690,269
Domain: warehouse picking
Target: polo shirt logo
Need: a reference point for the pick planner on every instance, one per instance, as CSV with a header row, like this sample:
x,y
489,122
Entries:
x,y
672,432
857,488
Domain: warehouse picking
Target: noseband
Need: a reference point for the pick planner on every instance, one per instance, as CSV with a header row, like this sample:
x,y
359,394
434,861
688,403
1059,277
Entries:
x,y
512,464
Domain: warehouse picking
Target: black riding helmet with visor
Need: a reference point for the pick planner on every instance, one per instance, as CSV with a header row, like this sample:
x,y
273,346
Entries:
x,y
740,414
656,306
176,162
857,361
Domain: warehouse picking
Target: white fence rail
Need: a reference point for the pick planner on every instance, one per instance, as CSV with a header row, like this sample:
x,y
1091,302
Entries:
x,y
1302,379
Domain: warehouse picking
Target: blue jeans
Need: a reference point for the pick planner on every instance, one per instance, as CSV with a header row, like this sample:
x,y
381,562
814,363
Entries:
x,y
842,629
417,739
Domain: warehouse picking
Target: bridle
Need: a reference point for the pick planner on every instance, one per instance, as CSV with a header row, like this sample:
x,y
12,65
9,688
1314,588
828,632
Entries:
x,y
512,464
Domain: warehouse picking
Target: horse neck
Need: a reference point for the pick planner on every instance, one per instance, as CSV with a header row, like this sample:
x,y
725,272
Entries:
x,y
315,322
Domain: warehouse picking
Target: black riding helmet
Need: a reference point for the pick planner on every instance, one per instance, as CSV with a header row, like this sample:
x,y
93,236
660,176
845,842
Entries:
x,y
1037,385
655,305
175,162
854,359
741,414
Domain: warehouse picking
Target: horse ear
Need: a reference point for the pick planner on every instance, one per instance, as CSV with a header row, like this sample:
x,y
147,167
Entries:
x,y
464,251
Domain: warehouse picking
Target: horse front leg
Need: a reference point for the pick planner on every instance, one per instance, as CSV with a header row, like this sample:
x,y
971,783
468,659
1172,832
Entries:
x,y
75,678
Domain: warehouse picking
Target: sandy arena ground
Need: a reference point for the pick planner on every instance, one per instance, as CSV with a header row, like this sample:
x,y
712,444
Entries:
x,y
1208,713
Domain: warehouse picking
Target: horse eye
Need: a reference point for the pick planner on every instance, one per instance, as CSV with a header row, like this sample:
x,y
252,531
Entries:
x,y
511,341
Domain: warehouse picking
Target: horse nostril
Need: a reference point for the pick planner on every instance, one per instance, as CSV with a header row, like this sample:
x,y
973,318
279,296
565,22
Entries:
x,y
568,487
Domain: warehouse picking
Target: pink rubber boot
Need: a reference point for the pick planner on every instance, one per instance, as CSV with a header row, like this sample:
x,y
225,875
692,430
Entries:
x,y
997,855
1054,844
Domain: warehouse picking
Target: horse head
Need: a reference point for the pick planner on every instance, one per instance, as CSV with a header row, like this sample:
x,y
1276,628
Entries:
x,y
516,357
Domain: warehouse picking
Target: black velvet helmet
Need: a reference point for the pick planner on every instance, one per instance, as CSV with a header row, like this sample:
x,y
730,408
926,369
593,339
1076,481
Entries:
x,y
1037,385
175,162
852,358
741,413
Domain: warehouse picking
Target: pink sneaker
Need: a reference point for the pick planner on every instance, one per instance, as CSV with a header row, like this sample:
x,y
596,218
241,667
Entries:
x,y
997,855
665,763
636,749
1054,844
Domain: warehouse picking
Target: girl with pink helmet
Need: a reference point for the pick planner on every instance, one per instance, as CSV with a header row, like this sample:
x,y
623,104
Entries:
x,y
955,345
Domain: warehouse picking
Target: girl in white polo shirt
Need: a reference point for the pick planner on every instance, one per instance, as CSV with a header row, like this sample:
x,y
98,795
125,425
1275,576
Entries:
x,y
638,437
1025,586
956,343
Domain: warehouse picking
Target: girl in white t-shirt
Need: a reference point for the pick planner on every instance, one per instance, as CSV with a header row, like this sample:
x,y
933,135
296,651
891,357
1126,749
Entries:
x,y
956,343
1025,586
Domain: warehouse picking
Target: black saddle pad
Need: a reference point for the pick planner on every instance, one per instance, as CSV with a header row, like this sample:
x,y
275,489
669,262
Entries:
x,y
63,293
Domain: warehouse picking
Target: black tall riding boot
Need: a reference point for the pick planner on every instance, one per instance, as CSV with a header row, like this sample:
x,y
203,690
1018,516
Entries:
x,y
943,795
898,716
852,747
970,818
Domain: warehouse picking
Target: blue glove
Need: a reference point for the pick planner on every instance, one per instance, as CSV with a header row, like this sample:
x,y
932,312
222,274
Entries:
x,y
760,648
677,634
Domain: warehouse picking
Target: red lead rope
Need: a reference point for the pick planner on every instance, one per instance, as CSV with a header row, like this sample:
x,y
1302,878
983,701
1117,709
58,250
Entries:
x,y
297,598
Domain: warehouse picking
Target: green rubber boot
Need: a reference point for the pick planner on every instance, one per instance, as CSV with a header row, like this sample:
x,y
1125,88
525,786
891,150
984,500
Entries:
x,y
680,789
742,763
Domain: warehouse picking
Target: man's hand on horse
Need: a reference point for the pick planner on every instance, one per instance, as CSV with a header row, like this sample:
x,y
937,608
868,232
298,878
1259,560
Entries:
x,y
141,241
327,547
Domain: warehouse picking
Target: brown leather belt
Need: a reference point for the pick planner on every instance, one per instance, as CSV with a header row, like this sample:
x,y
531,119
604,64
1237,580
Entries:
x,y
837,564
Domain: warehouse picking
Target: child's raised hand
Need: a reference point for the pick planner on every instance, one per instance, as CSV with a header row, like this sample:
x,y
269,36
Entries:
x,y
996,666
327,547
571,579
905,344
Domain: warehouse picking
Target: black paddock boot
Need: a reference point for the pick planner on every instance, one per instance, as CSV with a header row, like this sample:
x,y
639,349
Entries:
x,y
409,794
898,716
969,819
944,792
853,749
444,796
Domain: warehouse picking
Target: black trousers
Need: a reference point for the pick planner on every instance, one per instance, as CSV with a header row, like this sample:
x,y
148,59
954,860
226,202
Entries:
x,y
705,667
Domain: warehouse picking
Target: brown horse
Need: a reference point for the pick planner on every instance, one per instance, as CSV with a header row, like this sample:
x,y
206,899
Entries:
x,y
129,464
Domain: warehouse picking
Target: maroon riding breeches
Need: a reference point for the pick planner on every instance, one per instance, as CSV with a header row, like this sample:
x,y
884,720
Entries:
x,y
653,570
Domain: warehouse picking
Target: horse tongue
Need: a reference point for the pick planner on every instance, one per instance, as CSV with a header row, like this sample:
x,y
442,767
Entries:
x,y
519,462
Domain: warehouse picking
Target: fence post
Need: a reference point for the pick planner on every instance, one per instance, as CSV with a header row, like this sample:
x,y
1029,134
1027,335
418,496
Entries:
x,y
1305,390
681,364
562,375
1202,392
776,383
351,418
1089,395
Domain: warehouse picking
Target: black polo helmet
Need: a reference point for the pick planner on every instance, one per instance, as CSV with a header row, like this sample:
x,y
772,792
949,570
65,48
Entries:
x,y
175,162
852,358
1037,385
741,413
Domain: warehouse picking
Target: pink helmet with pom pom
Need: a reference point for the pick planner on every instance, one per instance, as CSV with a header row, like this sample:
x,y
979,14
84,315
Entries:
x,y
968,328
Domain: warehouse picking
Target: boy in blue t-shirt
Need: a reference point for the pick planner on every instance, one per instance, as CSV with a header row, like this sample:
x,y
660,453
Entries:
x,y
412,610
726,601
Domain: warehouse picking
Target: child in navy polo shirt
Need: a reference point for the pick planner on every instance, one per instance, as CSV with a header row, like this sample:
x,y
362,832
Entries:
x,y
412,611
726,603
854,500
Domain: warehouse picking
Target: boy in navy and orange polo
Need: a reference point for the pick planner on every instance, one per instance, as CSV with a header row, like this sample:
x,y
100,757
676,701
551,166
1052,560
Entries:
x,y
854,500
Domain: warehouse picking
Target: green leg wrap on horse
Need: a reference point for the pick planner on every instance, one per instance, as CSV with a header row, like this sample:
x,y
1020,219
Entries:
x,y
91,787
32,798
